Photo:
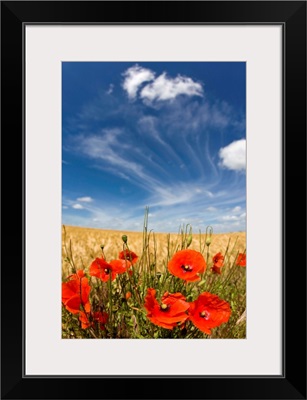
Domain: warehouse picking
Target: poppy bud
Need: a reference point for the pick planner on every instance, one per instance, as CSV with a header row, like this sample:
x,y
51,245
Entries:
x,y
209,232
189,241
125,239
102,247
128,295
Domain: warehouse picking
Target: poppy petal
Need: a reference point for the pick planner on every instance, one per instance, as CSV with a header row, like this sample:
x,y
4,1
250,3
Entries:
x,y
170,313
187,264
209,311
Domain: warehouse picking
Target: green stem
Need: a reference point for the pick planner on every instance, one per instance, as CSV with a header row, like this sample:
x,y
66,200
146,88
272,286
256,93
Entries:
x,y
69,255
207,254
230,274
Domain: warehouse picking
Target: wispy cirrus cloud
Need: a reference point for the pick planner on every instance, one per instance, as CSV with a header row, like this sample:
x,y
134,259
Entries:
x,y
211,209
167,199
107,150
153,169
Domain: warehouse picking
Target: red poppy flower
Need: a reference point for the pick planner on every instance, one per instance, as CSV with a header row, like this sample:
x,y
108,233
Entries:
x,y
209,311
120,266
187,265
171,311
218,262
88,320
103,270
128,255
76,292
241,260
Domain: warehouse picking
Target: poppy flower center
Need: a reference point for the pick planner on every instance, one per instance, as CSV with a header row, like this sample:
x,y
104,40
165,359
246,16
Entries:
x,y
187,268
107,271
164,307
204,314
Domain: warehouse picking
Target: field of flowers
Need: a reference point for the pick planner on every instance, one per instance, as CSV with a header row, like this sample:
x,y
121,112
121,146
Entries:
x,y
146,285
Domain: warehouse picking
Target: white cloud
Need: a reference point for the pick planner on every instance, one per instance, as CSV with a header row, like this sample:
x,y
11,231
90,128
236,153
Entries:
x,y
240,217
85,199
236,209
148,124
134,77
65,207
170,196
161,89
233,156
164,88
208,193
110,90
77,207
230,218
211,209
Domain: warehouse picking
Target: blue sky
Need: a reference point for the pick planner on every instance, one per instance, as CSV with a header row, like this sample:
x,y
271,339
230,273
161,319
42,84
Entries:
x,y
167,135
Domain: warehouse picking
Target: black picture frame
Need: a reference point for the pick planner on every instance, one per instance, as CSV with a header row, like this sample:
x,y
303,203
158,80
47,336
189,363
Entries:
x,y
292,16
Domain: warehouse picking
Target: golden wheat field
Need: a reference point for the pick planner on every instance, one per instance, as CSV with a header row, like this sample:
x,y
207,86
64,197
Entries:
x,y
84,244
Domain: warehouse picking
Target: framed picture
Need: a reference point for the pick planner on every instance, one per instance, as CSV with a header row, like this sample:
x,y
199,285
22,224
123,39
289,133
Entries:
x,y
196,110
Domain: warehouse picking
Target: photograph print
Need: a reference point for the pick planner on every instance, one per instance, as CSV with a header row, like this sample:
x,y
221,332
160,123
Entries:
x,y
153,200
